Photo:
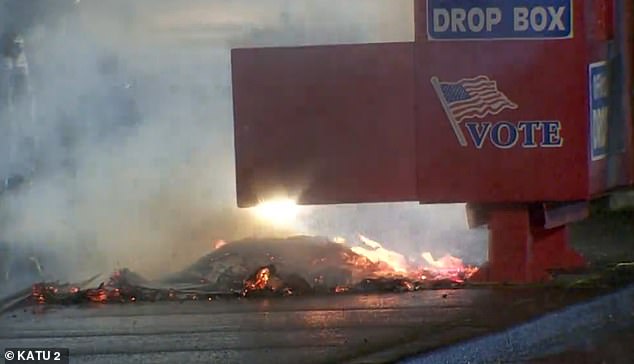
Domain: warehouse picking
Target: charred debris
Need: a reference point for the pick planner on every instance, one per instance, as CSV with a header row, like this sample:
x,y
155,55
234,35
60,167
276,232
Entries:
x,y
248,269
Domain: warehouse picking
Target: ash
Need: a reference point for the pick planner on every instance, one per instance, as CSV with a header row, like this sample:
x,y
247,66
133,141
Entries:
x,y
248,268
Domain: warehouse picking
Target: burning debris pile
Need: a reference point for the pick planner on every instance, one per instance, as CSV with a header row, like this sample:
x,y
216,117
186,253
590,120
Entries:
x,y
257,267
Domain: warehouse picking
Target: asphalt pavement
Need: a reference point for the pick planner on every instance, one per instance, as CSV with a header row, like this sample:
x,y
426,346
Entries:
x,y
369,328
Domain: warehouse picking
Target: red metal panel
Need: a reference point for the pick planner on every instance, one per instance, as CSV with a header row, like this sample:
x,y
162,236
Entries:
x,y
328,124
547,79
522,252
627,11
337,124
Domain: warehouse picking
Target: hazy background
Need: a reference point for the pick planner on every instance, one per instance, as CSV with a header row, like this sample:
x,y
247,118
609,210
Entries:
x,y
133,130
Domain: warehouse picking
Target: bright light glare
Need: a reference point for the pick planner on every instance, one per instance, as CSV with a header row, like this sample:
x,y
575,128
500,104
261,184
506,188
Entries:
x,y
281,212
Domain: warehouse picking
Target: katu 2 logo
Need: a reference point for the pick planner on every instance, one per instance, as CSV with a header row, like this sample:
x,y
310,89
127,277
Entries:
x,y
475,98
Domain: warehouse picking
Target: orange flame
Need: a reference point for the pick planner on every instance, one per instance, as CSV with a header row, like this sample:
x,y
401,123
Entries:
x,y
448,267
376,266
394,263
260,281
376,253
97,296
219,244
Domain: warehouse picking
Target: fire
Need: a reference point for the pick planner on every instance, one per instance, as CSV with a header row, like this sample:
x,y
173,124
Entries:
x,y
219,244
260,281
333,267
447,262
408,285
376,253
446,268
45,292
38,292
97,296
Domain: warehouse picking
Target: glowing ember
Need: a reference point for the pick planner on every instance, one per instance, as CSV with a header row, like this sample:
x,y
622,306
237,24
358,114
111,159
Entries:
x,y
38,292
219,244
408,285
97,296
260,280
265,267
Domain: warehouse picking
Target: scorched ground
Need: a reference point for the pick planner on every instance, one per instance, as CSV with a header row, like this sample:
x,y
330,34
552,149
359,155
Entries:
x,y
267,267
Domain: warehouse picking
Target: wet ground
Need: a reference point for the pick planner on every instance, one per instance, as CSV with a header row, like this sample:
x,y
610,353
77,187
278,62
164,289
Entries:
x,y
332,329
486,324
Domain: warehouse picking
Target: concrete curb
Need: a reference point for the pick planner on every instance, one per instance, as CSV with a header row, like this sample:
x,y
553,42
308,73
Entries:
x,y
550,334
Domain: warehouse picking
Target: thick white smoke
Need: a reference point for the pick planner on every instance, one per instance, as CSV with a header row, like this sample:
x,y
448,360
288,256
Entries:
x,y
134,131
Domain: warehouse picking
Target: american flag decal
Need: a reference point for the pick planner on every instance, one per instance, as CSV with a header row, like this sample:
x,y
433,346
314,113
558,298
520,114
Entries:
x,y
470,98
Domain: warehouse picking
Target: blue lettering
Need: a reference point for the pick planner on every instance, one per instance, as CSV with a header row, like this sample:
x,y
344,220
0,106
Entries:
x,y
505,135
551,134
529,128
478,132
511,135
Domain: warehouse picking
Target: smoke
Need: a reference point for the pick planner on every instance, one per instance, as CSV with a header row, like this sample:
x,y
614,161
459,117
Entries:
x,y
408,228
133,130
